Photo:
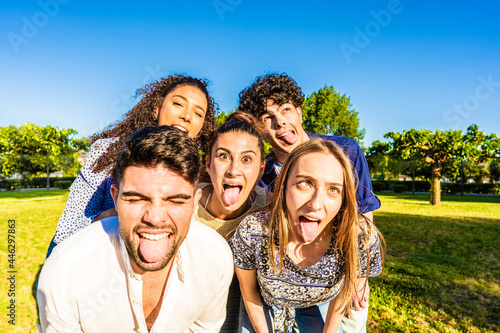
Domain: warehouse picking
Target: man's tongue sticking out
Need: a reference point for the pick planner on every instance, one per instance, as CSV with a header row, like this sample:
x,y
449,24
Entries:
x,y
153,250
289,138
309,229
231,194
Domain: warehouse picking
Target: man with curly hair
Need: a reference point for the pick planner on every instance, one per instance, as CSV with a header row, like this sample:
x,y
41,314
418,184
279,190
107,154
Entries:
x,y
276,100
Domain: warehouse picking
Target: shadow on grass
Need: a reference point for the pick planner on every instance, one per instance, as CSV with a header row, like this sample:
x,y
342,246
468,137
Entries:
x,y
447,264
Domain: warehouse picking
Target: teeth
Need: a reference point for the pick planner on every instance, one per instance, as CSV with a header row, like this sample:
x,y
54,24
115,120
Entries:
x,y
154,237
282,136
181,128
311,219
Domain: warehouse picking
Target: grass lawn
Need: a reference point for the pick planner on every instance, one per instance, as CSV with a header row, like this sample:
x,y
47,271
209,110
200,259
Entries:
x,y
442,270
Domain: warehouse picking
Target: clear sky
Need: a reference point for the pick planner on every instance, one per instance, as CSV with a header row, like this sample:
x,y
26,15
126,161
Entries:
x,y
404,64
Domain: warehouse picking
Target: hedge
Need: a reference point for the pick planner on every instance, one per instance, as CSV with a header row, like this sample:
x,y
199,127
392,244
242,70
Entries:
x,y
425,186
38,182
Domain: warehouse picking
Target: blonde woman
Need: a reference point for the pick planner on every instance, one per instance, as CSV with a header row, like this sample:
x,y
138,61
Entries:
x,y
300,259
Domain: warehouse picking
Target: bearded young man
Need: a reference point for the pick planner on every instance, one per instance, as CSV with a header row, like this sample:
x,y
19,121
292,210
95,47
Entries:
x,y
151,268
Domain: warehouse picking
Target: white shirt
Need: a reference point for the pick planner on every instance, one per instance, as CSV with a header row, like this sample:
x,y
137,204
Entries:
x,y
88,284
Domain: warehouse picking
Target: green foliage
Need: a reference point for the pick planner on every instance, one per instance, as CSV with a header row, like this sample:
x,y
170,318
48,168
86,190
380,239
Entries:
x,y
494,169
63,184
221,117
37,150
34,182
388,185
326,112
442,151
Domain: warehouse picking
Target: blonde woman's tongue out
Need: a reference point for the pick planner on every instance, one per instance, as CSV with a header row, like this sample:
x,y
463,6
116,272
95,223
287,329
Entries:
x,y
309,228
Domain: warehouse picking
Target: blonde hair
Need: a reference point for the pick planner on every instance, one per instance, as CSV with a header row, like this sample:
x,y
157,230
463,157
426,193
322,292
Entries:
x,y
347,222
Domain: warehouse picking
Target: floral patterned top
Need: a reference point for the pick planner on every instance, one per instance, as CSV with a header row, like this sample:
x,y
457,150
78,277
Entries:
x,y
296,286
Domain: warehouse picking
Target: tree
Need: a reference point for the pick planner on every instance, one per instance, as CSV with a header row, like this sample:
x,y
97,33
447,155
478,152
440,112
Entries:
x,y
494,169
38,150
326,112
442,147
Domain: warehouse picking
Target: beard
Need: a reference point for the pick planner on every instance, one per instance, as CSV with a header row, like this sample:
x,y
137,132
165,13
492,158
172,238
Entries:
x,y
134,252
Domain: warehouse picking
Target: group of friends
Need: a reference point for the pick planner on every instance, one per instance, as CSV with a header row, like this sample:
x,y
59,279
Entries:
x,y
151,240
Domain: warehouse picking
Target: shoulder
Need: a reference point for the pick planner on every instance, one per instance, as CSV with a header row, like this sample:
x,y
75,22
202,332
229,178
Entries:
x,y
87,245
206,240
98,148
342,141
254,224
206,251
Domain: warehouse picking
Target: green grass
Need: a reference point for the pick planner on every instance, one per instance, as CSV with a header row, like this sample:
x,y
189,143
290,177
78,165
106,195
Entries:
x,y
36,214
442,270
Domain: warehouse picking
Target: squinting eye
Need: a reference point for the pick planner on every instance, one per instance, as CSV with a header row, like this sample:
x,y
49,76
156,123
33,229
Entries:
x,y
199,115
177,104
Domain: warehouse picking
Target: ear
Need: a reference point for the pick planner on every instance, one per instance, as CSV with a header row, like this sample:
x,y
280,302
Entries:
x,y
262,168
114,193
197,197
207,163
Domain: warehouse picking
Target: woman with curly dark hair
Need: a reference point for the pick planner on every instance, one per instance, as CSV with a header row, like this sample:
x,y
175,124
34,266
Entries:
x,y
179,101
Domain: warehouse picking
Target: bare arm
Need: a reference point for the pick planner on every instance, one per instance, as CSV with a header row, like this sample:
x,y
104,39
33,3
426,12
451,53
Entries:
x,y
333,317
251,298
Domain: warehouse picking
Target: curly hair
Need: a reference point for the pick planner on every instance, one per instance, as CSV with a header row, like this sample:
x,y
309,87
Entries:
x,y
281,88
144,114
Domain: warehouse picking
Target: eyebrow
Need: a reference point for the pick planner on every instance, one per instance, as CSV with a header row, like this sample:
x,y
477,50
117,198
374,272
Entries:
x,y
307,177
142,196
185,99
243,152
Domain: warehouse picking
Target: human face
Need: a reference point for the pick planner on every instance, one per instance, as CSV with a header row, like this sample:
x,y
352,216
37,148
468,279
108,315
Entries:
x,y
283,127
313,195
154,208
235,165
184,107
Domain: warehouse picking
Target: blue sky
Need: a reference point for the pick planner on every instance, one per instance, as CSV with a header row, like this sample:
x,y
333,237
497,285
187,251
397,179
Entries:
x,y
404,64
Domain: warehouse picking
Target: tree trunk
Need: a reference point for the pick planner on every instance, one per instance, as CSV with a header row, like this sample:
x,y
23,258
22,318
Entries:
x,y
413,181
48,179
435,185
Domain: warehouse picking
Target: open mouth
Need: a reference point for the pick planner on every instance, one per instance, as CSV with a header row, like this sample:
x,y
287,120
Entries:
x,y
231,193
154,247
309,228
180,128
289,137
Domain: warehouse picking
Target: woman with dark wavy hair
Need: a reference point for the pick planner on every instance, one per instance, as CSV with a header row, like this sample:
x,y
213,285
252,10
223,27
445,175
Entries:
x,y
179,101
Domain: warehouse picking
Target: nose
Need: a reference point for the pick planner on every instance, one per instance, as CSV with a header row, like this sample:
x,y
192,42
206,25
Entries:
x,y
234,168
316,201
155,215
186,113
280,120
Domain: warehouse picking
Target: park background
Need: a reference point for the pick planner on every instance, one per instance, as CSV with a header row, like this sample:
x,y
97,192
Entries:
x,y
403,65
